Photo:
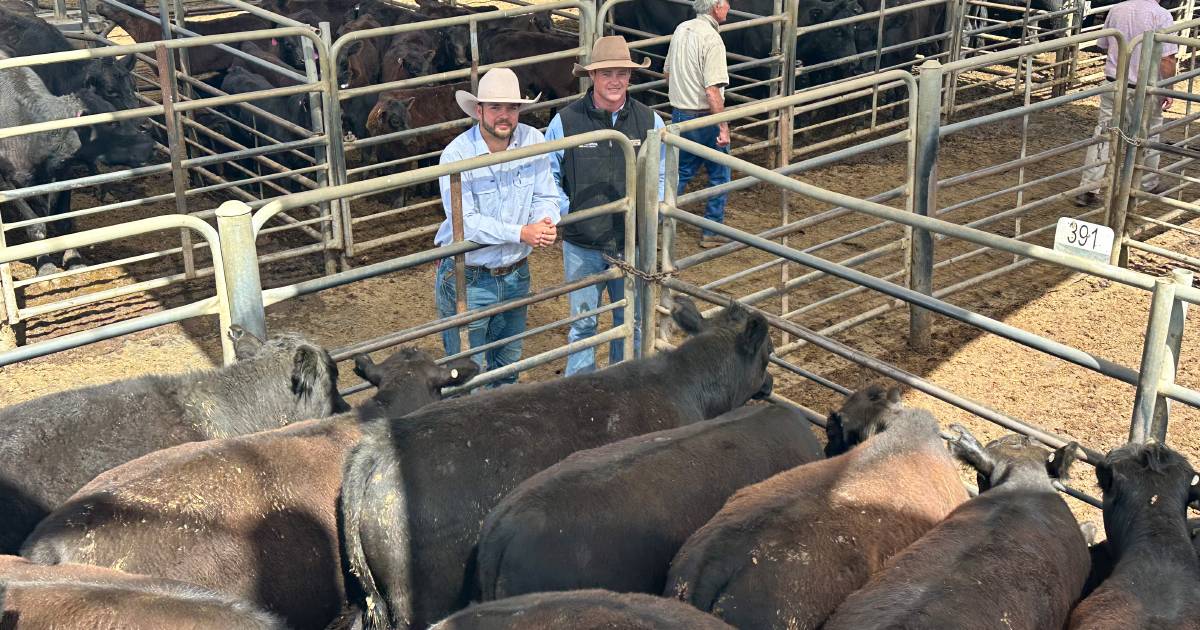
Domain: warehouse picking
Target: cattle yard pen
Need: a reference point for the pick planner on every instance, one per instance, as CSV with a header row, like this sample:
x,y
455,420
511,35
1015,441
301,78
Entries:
x,y
906,244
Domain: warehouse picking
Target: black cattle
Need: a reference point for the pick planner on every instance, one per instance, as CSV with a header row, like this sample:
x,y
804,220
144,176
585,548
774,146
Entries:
x,y
1012,557
53,445
77,597
785,552
416,489
292,109
582,610
1155,580
269,53
201,59
613,517
46,157
267,532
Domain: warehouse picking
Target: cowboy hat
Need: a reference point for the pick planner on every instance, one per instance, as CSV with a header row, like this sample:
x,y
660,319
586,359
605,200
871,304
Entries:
x,y
609,52
498,85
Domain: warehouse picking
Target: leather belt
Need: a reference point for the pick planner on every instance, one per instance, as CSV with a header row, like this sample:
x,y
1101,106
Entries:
x,y
499,271
1132,85
694,112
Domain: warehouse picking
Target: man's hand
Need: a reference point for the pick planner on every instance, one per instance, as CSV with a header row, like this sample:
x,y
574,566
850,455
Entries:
x,y
723,135
540,234
1167,102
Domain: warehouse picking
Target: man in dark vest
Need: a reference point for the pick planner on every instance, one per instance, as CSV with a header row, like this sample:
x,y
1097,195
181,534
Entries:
x,y
594,174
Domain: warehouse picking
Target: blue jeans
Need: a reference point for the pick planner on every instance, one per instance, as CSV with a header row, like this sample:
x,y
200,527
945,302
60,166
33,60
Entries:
x,y
579,262
690,164
484,289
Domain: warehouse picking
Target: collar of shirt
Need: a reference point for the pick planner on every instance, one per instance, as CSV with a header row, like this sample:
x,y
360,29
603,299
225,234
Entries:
x,y
711,21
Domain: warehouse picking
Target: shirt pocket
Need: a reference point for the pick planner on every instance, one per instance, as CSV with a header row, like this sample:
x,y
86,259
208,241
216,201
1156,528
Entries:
x,y
523,178
487,195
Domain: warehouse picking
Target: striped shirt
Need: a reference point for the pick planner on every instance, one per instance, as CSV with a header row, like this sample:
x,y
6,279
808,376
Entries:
x,y
1132,18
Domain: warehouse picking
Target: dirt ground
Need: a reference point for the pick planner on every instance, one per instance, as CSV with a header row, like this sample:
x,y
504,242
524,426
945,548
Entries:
x,y
1099,317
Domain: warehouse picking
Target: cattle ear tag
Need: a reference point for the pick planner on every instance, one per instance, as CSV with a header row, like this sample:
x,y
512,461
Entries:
x,y
1051,458
274,42
79,113
454,374
1195,479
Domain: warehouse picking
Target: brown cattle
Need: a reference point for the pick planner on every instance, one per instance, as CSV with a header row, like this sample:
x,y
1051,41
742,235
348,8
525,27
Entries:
x,y
785,552
358,65
253,517
582,610
409,55
553,79
201,59
1012,557
398,110
80,597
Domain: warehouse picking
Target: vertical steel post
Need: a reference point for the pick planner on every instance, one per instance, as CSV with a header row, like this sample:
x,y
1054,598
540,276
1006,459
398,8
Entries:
x,y
342,228
929,90
317,120
460,261
1130,126
670,199
243,289
11,328
647,242
956,17
786,122
587,37
778,44
166,84
629,252
1162,406
60,9
474,28
1154,369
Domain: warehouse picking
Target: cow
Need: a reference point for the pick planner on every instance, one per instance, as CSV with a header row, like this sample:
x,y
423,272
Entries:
x,y
593,609
416,489
413,108
201,59
358,65
1012,557
553,79
410,54
785,552
45,157
267,530
314,11
78,597
53,445
1155,579
291,108
272,53
547,535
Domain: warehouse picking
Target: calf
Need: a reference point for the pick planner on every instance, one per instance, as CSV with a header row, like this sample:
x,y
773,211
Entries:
x,y
410,54
253,516
1012,557
399,110
51,446
581,610
272,54
785,552
77,597
1155,580
292,109
358,66
548,535
416,489
551,78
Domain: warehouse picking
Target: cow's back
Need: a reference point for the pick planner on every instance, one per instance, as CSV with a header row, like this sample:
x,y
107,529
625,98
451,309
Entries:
x,y
558,530
251,517
1011,559
51,446
418,488
582,610
785,552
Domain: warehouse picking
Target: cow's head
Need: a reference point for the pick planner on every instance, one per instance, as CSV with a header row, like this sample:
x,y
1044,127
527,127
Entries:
x,y
456,41
409,379
1145,482
112,80
1013,459
288,364
416,62
359,64
863,414
735,344
120,143
827,45
390,114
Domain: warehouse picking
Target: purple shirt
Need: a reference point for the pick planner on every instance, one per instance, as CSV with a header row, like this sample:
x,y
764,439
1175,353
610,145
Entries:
x,y
1132,18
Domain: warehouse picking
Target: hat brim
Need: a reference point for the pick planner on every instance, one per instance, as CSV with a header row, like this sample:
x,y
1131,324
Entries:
x,y
582,71
467,101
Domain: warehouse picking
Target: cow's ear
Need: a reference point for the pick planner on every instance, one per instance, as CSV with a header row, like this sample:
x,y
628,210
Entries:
x,y
128,62
1104,476
965,447
308,371
835,437
366,369
687,316
245,344
894,393
408,102
429,54
753,334
816,14
457,372
1058,465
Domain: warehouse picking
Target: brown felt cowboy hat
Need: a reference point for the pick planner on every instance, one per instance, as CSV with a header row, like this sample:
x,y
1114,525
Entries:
x,y
498,85
609,52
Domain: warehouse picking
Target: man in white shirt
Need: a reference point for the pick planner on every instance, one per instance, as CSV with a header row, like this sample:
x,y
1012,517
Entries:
x,y
512,207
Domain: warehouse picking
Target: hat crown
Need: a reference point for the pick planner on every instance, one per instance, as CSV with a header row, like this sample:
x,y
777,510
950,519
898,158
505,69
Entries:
x,y
499,83
610,48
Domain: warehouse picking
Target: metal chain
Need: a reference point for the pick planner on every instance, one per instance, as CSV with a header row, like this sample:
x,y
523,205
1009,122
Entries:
x,y
1133,142
656,277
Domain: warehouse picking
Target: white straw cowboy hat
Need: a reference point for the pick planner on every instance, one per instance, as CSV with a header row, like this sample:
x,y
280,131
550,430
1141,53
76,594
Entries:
x,y
609,52
498,85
